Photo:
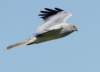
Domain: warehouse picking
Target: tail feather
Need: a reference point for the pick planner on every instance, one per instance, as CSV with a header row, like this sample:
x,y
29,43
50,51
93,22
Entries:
x,y
22,43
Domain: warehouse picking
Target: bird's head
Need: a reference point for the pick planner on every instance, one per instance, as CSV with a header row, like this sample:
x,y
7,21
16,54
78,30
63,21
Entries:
x,y
74,28
71,27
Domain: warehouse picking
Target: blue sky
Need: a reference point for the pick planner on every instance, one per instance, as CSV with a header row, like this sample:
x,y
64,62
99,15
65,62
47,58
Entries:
x,y
78,52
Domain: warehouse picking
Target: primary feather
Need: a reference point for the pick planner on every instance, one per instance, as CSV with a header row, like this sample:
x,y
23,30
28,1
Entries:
x,y
22,43
49,12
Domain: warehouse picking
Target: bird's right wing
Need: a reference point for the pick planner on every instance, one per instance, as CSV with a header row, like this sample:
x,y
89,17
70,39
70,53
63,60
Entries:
x,y
22,43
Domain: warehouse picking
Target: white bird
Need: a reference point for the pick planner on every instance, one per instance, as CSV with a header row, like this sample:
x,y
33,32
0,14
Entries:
x,y
54,27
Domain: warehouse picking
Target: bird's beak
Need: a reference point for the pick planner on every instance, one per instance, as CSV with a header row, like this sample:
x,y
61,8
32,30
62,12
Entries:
x,y
76,28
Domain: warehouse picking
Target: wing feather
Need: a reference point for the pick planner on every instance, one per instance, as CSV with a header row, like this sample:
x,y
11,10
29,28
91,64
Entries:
x,y
52,18
49,12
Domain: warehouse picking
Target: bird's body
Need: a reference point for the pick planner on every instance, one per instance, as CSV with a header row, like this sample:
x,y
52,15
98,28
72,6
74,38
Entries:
x,y
51,35
54,27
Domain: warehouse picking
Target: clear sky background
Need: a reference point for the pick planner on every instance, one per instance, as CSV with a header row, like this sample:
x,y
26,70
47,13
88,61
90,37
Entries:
x,y
78,52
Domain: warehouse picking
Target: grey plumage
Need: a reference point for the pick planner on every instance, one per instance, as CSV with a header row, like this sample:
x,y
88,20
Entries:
x,y
54,27
22,43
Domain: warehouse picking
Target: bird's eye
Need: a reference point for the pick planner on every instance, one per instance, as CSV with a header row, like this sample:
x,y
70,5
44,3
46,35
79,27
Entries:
x,y
74,26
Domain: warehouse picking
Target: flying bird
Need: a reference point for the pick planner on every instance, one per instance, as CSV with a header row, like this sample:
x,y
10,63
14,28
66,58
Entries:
x,y
54,27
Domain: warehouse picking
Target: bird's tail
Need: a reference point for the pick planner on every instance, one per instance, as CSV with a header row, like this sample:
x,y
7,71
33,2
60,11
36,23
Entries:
x,y
22,43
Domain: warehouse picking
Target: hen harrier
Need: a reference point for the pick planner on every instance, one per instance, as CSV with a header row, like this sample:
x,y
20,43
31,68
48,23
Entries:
x,y
54,27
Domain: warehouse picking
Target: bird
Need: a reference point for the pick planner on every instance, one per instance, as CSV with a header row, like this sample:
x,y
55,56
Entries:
x,y
55,26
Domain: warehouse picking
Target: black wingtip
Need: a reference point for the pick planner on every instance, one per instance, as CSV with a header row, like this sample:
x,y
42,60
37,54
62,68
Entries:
x,y
58,9
9,47
50,10
47,12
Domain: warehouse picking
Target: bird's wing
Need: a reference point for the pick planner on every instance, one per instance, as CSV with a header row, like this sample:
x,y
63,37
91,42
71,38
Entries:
x,y
47,13
47,29
54,14
52,18
22,43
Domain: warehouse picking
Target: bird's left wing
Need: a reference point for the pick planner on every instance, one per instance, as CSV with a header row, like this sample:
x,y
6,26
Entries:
x,y
52,17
